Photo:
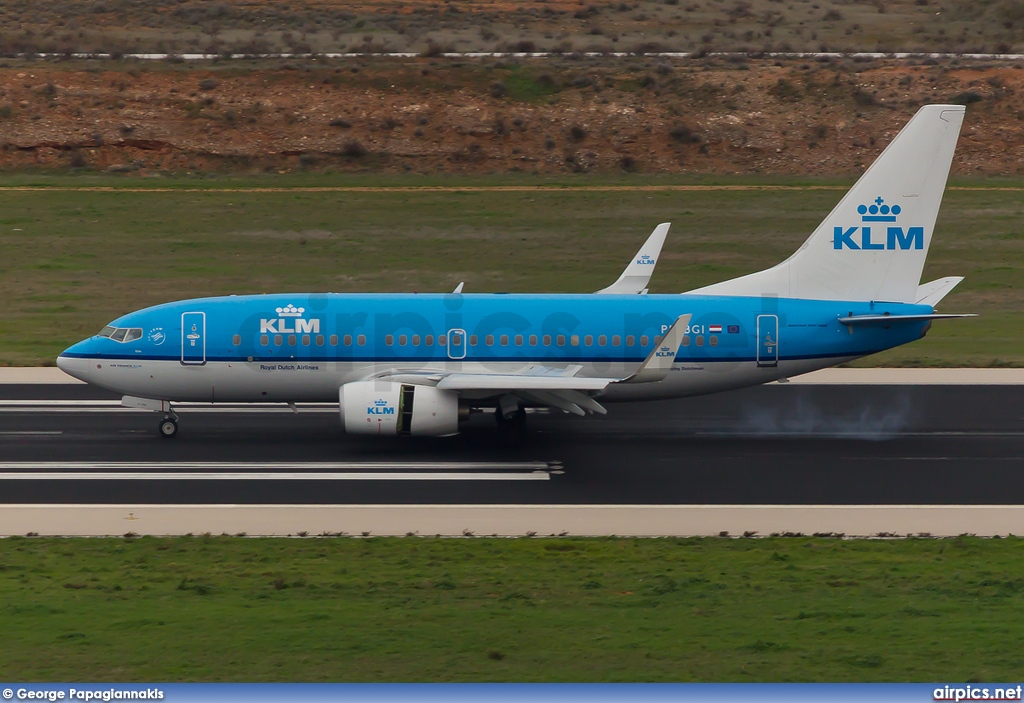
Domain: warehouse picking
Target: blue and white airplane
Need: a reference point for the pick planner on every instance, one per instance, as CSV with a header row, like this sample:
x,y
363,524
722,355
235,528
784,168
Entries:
x,y
415,364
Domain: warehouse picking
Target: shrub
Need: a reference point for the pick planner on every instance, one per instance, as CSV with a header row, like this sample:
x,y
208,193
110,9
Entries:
x,y
208,84
339,122
682,133
966,98
577,133
353,149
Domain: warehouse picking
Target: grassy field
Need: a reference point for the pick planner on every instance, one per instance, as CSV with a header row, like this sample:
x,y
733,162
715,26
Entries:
x,y
72,260
425,609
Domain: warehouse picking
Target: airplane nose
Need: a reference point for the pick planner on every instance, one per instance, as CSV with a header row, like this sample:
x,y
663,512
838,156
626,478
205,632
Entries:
x,y
71,361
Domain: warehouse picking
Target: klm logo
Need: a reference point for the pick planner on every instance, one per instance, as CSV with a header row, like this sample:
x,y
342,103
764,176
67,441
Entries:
x,y
380,407
646,260
863,238
665,351
282,324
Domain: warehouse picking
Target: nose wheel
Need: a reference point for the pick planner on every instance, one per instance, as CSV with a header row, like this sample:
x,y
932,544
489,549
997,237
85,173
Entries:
x,y
168,427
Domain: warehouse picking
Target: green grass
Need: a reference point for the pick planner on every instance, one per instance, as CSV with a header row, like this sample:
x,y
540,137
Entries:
x,y
424,609
72,261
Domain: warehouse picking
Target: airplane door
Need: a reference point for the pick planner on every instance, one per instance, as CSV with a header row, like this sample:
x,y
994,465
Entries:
x,y
767,340
456,344
193,338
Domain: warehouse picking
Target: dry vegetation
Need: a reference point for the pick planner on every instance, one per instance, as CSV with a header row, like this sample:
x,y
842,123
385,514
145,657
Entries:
x,y
255,26
491,115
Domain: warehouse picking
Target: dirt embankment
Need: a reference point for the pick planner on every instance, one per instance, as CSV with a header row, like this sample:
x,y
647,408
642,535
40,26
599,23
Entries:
x,y
549,117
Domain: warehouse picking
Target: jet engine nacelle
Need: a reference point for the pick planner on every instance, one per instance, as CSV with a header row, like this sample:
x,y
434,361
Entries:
x,y
387,408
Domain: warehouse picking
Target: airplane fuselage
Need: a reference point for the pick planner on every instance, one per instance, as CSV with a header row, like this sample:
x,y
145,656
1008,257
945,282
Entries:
x,y
303,347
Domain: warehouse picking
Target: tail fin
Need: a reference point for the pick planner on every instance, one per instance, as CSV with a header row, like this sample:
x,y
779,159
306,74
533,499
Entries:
x,y
873,245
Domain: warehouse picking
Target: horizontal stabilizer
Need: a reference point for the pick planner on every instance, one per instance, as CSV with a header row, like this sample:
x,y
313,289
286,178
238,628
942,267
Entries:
x,y
931,293
881,320
637,274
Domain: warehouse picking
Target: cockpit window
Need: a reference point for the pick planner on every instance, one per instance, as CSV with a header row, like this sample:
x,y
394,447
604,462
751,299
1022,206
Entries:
x,y
121,334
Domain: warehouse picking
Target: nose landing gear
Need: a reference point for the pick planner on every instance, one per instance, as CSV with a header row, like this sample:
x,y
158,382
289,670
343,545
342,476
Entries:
x,y
169,427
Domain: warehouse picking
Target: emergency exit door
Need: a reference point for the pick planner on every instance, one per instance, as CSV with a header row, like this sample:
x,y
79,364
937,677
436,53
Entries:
x,y
193,338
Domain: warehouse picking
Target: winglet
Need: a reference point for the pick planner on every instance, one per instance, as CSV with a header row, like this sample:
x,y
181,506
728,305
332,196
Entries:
x,y
658,363
637,275
458,288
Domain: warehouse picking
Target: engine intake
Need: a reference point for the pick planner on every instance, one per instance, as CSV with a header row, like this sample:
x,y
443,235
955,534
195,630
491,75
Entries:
x,y
388,408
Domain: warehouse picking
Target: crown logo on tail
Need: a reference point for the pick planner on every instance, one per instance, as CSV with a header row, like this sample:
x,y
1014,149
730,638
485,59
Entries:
x,y
878,211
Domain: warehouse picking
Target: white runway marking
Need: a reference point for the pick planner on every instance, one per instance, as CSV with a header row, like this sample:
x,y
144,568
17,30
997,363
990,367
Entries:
x,y
267,476
276,471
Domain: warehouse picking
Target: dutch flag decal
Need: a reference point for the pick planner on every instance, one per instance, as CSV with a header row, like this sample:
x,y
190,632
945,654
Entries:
x,y
714,329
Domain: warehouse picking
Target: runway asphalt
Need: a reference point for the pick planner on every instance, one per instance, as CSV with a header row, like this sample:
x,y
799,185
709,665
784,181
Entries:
x,y
787,444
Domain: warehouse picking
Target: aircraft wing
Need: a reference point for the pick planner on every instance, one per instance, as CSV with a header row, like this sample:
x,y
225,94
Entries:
x,y
637,274
558,387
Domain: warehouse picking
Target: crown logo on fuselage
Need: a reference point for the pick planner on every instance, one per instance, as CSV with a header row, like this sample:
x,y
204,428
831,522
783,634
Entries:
x,y
290,310
282,323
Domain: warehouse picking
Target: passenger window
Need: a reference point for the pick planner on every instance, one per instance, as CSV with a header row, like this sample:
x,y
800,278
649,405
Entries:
x,y
602,340
473,340
361,340
305,340
643,340
713,341
589,340
615,340
264,340
236,340
657,340
442,340
489,340
574,340
629,340
504,340
686,341
119,334
561,340
415,340
429,340
291,340
277,340
319,340
133,334
333,339
519,340
547,340
402,340
389,340
533,340
700,341
106,331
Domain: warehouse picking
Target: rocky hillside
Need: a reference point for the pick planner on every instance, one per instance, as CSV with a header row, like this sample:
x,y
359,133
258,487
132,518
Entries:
x,y
433,115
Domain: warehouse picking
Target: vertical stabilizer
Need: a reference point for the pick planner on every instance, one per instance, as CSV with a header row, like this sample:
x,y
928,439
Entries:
x,y
873,245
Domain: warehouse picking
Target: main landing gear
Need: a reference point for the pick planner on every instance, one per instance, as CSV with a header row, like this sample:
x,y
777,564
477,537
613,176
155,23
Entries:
x,y
511,419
